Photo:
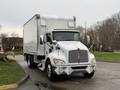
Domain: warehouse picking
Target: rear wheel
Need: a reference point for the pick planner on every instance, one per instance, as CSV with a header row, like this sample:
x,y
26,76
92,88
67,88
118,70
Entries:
x,y
49,71
89,75
31,63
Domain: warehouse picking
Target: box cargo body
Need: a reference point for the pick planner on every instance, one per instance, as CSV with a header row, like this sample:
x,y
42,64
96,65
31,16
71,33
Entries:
x,y
37,26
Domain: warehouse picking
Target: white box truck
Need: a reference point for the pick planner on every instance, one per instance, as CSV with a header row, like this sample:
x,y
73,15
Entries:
x,y
53,45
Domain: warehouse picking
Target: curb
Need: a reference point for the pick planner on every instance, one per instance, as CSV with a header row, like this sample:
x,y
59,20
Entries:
x,y
24,79
9,86
14,85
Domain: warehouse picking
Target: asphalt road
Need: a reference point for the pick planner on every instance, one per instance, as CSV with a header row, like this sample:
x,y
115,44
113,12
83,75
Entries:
x,y
107,77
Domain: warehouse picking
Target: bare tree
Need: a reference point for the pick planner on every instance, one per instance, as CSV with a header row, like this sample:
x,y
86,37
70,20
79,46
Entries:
x,y
3,55
14,35
3,35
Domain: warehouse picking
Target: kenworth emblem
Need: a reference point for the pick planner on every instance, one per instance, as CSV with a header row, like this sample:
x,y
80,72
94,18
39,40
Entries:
x,y
78,53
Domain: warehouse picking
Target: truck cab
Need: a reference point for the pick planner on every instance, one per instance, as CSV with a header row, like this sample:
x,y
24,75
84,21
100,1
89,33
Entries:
x,y
65,54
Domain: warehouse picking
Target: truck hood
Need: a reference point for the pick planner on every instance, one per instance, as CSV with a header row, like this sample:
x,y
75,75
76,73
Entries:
x,y
72,45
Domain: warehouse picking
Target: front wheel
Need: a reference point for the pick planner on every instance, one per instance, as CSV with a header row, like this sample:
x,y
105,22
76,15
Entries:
x,y
89,75
49,71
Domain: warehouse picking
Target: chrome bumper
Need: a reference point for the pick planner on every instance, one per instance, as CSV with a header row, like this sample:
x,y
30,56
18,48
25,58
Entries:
x,y
68,70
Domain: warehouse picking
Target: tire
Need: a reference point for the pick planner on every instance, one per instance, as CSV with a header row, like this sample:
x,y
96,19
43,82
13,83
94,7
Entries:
x,y
89,75
49,71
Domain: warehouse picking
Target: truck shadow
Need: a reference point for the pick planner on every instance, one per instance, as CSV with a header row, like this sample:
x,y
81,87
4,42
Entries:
x,y
46,84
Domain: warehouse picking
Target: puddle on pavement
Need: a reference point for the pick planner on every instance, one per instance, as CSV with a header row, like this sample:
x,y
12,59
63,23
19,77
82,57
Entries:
x,y
48,86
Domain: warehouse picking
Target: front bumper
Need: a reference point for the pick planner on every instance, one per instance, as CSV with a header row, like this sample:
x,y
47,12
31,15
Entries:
x,y
69,69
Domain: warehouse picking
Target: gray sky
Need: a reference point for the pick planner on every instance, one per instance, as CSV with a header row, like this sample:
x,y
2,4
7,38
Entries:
x,y
14,13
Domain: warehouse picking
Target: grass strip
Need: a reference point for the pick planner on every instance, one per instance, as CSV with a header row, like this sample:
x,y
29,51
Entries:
x,y
107,56
10,72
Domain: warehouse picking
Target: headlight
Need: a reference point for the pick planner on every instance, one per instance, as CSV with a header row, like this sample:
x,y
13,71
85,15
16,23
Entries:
x,y
93,61
58,61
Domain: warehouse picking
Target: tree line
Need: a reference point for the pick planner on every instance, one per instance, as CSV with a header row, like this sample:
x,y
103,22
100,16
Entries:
x,y
104,35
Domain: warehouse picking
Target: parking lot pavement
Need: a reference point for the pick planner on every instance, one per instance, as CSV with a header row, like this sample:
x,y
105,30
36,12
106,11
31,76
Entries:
x,y
107,77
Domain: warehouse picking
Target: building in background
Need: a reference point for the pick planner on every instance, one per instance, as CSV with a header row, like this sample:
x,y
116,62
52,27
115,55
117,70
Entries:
x,y
8,43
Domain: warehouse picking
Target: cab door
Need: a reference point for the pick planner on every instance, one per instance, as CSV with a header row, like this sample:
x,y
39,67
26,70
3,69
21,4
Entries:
x,y
48,44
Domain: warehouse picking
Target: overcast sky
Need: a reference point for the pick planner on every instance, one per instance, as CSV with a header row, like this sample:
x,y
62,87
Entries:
x,y
14,13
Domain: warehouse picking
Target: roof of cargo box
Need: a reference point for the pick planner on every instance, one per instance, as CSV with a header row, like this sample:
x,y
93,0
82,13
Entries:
x,y
57,22
48,18
58,18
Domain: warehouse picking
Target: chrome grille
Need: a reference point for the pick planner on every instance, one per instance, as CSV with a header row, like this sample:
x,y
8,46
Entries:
x,y
78,56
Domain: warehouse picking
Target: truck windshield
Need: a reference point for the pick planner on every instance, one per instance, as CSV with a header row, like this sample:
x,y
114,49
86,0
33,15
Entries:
x,y
66,36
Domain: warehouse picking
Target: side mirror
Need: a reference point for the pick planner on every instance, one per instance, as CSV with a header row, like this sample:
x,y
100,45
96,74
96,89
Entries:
x,y
91,47
57,47
41,39
50,42
54,42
